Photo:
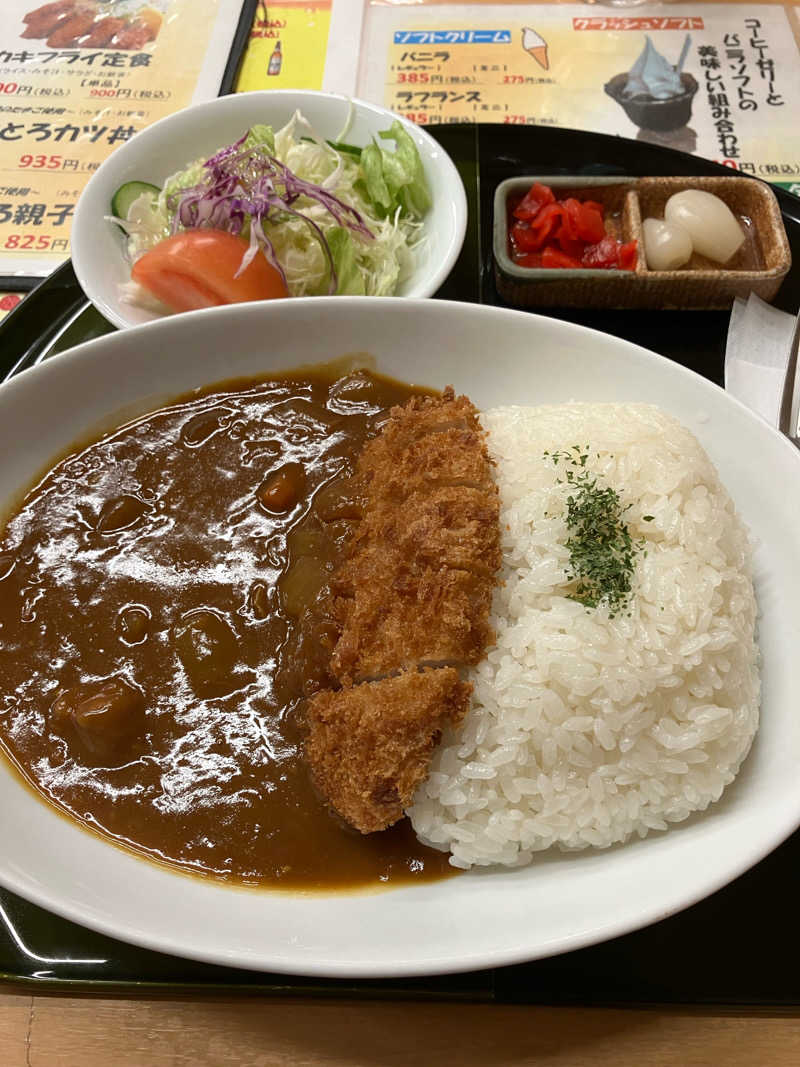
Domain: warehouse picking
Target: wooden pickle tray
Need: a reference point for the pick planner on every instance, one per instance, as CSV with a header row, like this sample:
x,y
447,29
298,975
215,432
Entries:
x,y
759,267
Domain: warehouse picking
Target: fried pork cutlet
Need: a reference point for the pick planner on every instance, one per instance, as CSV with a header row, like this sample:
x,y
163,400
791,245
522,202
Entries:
x,y
454,456
369,746
416,582
402,616
413,592
451,526
428,414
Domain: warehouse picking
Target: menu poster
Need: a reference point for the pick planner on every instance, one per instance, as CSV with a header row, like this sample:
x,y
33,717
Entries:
x,y
718,80
287,46
77,79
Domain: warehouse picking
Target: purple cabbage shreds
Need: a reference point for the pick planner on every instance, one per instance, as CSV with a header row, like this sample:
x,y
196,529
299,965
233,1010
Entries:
x,y
227,151
250,185
258,239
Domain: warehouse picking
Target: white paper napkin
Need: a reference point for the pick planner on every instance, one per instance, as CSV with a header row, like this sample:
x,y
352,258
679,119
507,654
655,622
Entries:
x,y
757,356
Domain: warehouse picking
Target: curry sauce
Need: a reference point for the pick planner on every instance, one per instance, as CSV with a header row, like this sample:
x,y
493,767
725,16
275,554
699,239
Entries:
x,y
163,620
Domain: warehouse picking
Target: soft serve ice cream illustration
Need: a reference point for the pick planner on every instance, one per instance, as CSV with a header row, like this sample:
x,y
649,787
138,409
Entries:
x,y
536,47
652,75
655,93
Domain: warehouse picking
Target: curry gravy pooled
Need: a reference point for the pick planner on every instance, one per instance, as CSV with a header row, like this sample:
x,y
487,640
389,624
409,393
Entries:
x,y
165,615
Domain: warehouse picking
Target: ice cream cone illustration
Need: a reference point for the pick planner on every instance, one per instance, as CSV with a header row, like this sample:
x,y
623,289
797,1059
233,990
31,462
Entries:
x,y
535,46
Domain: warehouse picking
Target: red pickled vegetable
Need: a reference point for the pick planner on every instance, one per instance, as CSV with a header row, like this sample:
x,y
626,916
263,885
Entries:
x,y
603,254
572,218
554,257
531,236
572,246
522,240
627,256
535,198
529,259
569,233
584,221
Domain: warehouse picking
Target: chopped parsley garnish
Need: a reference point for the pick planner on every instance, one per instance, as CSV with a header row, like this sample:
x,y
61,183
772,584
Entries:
x,y
602,553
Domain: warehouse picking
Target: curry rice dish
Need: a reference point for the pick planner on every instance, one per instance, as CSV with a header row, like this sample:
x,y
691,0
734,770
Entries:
x,y
247,631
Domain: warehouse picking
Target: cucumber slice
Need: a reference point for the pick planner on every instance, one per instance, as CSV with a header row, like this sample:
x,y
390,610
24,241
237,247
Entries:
x,y
340,146
126,194
350,149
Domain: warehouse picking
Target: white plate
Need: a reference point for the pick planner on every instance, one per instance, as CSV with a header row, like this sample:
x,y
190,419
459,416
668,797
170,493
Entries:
x,y
560,902
98,247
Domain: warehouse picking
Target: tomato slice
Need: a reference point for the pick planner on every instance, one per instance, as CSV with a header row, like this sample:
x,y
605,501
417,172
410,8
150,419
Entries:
x,y
197,268
535,198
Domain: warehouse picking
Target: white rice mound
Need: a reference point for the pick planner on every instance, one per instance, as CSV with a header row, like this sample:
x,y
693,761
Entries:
x,y
585,729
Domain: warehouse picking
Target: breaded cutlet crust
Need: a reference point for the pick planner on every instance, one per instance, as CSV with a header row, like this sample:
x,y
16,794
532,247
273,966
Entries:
x,y
413,592
416,581
369,745
402,616
453,456
446,526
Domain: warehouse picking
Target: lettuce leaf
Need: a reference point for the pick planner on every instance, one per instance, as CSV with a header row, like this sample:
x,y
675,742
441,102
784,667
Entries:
x,y
374,182
395,180
407,170
182,179
349,279
261,135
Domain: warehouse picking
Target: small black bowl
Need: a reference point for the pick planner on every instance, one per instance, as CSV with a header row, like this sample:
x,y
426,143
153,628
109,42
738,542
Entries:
x,y
652,114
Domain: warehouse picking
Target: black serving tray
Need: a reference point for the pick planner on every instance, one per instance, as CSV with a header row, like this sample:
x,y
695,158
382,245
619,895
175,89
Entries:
x,y
737,947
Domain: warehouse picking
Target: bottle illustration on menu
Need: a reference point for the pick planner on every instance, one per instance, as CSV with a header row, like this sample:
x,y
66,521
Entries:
x,y
275,60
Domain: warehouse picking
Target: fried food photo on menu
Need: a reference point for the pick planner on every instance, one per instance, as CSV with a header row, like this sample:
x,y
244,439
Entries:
x,y
128,25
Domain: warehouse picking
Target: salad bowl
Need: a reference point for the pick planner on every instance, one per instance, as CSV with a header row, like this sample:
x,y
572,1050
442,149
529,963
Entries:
x,y
101,251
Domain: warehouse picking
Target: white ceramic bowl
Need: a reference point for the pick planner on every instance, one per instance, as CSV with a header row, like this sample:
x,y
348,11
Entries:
x,y
98,247
563,900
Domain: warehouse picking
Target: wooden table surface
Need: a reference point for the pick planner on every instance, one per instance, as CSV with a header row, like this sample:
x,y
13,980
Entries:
x,y
53,1031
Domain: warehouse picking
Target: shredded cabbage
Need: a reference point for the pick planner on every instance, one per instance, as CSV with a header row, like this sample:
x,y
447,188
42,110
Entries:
x,y
331,218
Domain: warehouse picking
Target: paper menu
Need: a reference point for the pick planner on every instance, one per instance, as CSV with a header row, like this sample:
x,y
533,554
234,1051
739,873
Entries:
x,y
469,63
76,83
287,46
